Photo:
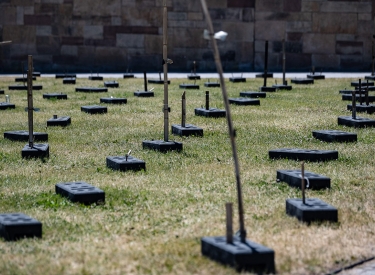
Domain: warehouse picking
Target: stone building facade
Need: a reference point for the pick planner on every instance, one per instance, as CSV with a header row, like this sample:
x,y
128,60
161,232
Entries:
x,y
120,35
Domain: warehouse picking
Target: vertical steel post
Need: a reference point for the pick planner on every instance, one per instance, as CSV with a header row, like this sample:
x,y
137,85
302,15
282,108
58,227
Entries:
x,y
165,68
30,107
229,222
265,64
145,80
194,69
354,110
183,117
366,95
284,82
373,54
231,130
207,100
303,182
360,93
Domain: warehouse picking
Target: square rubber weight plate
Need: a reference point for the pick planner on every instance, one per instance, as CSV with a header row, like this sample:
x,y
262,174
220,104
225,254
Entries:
x,y
267,89
303,154
370,109
282,87
253,94
269,75
334,136
113,100
15,226
158,81
244,101
211,84
316,76
91,90
314,210
194,76
69,80
358,122
1,92
22,135
94,109
303,81
348,97
247,256
120,163
65,76
80,191
162,146
212,112
293,178
55,96
37,151
128,76
237,79
60,121
188,130
111,84
144,94
189,86
363,83
95,77
5,105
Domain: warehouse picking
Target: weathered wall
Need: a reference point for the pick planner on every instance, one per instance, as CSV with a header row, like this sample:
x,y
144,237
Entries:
x,y
116,35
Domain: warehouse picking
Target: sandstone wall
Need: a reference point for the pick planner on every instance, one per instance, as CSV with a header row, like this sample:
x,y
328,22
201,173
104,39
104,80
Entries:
x,y
116,35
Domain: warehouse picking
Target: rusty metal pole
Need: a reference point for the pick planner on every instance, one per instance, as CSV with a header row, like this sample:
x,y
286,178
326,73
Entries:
x,y
30,107
145,81
231,130
165,68
303,182
183,117
284,82
229,222
265,64
207,100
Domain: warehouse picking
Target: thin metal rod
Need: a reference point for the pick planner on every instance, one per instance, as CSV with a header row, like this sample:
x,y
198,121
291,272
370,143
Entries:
x,y
30,100
373,54
313,70
303,182
265,64
360,93
366,95
284,82
207,100
183,117
194,68
229,221
231,130
145,80
354,110
165,68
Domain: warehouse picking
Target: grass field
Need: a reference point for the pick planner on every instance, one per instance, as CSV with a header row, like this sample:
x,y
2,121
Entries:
x,y
152,221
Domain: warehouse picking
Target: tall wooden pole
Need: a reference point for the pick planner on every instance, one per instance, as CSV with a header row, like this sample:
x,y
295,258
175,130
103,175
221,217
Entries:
x,y
231,130
165,68
30,107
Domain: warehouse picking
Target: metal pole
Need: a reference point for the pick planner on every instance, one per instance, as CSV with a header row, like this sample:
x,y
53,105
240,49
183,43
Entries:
x,y
207,100
284,82
231,130
373,56
354,105
145,80
313,70
195,69
229,220
303,182
265,64
30,100
183,100
360,92
165,67
366,95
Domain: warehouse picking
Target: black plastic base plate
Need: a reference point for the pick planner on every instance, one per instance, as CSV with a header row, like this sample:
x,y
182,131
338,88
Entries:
x,y
237,79
188,130
161,145
14,226
5,105
95,77
128,75
69,80
157,81
80,191
55,96
65,76
314,210
194,76
22,79
363,83
303,154
60,121
371,98
293,178
370,109
347,92
247,256
334,136
211,84
144,94
94,109
303,81
91,90
22,87
189,86
1,92
120,163
267,89
370,77
22,135
269,75
36,74
370,88
244,101
253,94
316,76
212,112
358,122
111,84
113,100
37,151
282,87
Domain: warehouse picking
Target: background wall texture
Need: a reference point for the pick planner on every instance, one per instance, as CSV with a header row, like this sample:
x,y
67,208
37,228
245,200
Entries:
x,y
116,35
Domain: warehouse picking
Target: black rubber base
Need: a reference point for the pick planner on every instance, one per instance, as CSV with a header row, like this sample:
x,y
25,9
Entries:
x,y
60,121
36,74
120,163
267,89
211,84
22,135
370,77
334,136
363,83
113,100
22,79
91,90
189,86
244,101
370,88
212,112
315,210
249,256
194,76
316,76
128,75
269,75
347,92
65,76
55,96
144,94
157,81
22,87
15,226
111,84
80,191
37,151
253,94
1,92
370,109
293,178
359,122
303,154
5,105
95,77
69,80
188,130
161,145
348,97
94,109
302,81
237,79
282,87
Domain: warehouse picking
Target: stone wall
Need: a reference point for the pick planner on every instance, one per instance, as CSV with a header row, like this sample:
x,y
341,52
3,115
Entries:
x,y
116,35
